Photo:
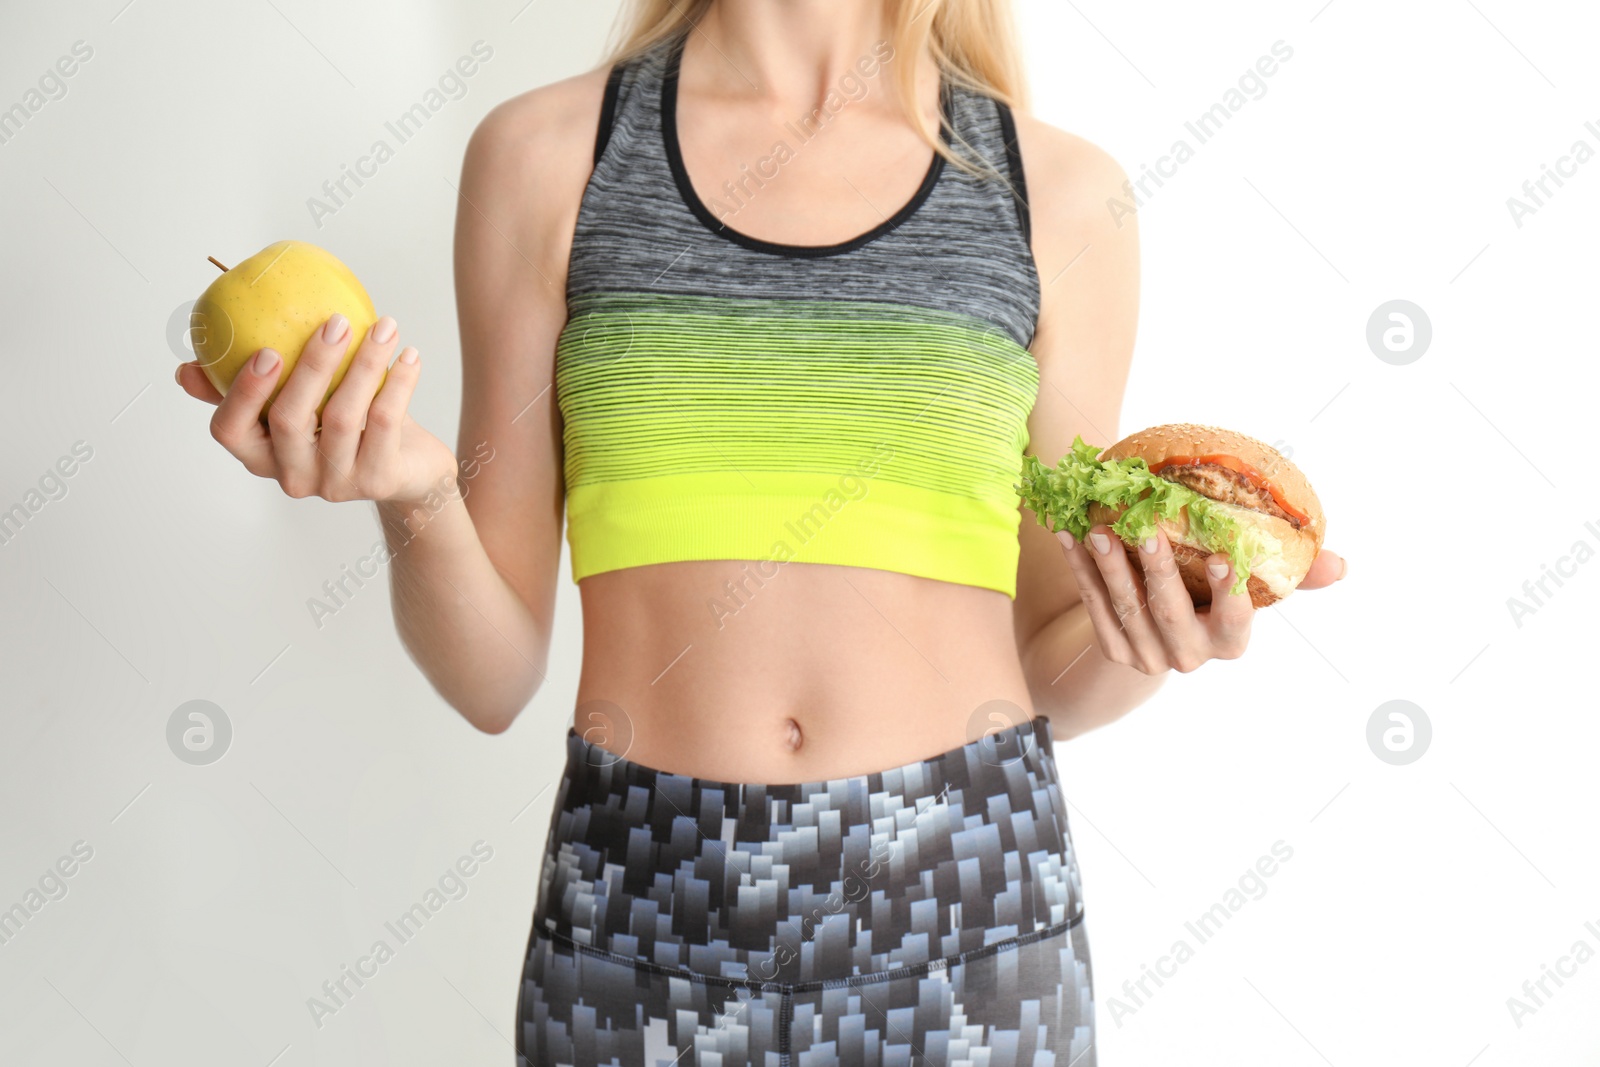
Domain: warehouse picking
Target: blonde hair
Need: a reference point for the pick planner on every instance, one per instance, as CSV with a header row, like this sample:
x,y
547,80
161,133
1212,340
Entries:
x,y
973,42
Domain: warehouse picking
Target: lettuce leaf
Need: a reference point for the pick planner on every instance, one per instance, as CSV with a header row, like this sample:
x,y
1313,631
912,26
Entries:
x,y
1060,499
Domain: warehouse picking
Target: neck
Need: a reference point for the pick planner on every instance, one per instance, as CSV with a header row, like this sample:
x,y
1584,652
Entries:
x,y
793,53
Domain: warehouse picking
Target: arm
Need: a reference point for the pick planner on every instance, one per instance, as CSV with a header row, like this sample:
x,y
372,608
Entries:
x,y
474,591
1089,273
1099,635
473,546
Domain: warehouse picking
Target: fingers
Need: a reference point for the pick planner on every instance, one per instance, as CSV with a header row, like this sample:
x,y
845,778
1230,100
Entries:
x,y
380,445
346,411
1127,600
1326,569
1230,615
193,380
366,440
292,419
1096,600
313,371
1170,606
236,424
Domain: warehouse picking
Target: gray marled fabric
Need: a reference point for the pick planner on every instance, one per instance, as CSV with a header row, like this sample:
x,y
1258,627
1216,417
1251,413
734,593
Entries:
x,y
962,249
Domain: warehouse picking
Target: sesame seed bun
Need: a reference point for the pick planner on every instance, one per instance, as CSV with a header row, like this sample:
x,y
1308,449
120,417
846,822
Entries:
x,y
1290,545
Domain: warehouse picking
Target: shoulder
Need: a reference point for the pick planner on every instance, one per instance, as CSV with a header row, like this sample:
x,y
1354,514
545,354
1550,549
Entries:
x,y
1085,245
1079,222
562,112
543,132
1070,180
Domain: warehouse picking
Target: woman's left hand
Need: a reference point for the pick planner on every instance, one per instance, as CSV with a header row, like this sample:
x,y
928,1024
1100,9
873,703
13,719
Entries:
x,y
1152,625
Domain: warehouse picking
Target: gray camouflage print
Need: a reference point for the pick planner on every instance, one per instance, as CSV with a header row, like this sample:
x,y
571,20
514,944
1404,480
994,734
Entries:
x,y
929,914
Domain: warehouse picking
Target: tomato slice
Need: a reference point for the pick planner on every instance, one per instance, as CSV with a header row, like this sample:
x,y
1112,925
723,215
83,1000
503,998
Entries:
x,y
1250,474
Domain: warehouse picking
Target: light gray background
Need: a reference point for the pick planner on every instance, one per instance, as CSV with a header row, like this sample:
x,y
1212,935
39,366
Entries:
x,y
1376,167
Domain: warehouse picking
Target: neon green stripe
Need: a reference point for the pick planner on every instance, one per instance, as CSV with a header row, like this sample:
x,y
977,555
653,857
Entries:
x,y
697,427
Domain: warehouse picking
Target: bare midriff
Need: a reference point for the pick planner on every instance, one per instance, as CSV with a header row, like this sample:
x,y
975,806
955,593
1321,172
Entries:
x,y
815,672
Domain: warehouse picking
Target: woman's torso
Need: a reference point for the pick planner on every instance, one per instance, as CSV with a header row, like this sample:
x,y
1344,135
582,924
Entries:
x,y
764,670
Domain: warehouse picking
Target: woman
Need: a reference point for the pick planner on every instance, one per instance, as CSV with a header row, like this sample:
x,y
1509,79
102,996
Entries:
x,y
770,304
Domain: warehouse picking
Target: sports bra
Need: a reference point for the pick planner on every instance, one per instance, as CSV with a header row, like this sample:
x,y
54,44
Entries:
x,y
725,397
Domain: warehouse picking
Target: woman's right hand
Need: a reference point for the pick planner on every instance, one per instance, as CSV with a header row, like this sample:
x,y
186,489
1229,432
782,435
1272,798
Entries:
x,y
367,446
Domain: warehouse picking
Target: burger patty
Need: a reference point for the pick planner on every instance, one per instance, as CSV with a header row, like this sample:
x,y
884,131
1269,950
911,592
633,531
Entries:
x,y
1226,485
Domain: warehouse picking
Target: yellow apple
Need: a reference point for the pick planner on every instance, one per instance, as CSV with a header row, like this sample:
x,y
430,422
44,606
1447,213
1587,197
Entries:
x,y
276,299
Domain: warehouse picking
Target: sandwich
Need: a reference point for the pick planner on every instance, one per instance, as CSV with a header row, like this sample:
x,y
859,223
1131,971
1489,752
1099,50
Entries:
x,y
1208,490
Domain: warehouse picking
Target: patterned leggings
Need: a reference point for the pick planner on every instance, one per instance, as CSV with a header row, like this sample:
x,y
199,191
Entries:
x,y
925,916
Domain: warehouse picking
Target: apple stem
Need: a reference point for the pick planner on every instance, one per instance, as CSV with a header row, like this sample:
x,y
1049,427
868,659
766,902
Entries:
x,y
220,267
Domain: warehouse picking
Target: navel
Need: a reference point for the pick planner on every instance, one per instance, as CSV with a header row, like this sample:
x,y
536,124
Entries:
x,y
795,737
